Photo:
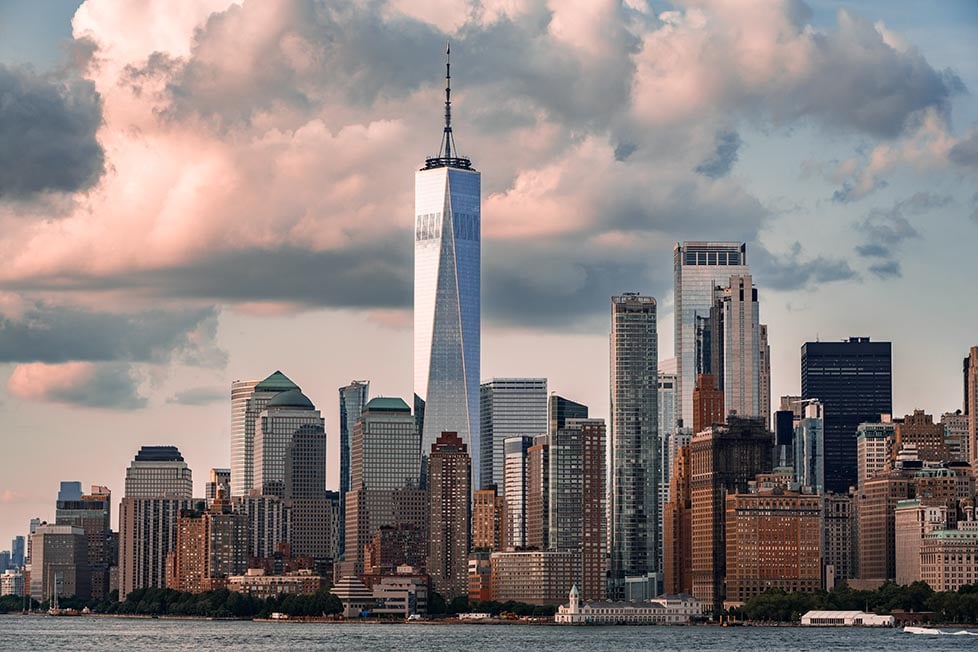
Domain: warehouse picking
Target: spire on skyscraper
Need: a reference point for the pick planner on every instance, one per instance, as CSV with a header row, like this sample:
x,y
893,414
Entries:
x,y
448,153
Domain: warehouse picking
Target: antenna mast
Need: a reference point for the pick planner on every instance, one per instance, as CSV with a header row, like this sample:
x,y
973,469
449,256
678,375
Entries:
x,y
448,138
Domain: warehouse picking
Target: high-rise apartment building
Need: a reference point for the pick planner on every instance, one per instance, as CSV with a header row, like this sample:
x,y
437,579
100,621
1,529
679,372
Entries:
x,y
920,431
774,541
488,516
838,542
449,516
877,528
211,545
956,435
514,490
578,500
971,402
677,546
724,459
561,409
447,278
537,506
764,379
912,522
158,485
385,474
809,446
353,399
91,512
741,348
59,563
853,380
874,449
634,447
708,407
510,407
248,400
269,523
699,267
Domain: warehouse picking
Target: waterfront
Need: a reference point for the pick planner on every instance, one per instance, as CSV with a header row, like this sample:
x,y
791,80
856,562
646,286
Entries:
x,y
44,633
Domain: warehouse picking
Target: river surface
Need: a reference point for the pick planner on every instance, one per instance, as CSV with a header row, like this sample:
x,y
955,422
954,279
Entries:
x,y
105,634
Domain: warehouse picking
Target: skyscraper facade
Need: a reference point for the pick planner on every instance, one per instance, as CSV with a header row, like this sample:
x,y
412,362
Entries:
x,y
220,480
853,380
447,277
708,407
275,427
59,563
510,407
971,402
91,512
353,398
634,442
809,444
449,516
514,489
764,380
741,348
248,400
159,471
561,409
537,504
488,514
698,267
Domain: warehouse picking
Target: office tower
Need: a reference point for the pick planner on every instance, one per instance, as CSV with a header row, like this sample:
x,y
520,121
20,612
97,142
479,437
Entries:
x,y
698,268
537,527
874,449
269,523
158,471
314,516
794,405
708,407
667,399
158,485
510,407
838,544
17,552
668,427
971,402
741,348
724,459
809,449
774,541
488,515
912,521
561,409
90,512
634,442
764,379
353,398
211,545
248,400
275,426
920,431
220,480
449,516
447,277
70,491
853,380
578,500
514,490
956,435
34,524
784,438
385,470
59,563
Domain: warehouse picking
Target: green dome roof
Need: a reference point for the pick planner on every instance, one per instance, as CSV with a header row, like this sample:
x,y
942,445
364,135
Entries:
x,y
292,398
277,382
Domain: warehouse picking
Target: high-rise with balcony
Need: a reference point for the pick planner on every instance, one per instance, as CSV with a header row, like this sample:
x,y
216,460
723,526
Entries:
x,y
634,448
447,277
698,268
510,407
853,380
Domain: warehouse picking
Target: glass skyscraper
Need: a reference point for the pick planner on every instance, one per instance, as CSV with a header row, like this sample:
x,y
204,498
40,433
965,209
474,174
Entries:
x,y
447,273
699,267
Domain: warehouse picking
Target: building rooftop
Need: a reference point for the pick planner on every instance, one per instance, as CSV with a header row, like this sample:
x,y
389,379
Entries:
x,y
277,382
159,454
384,404
293,399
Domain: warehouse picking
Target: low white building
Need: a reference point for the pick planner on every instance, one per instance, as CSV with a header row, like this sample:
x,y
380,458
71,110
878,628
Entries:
x,y
664,610
846,619
12,583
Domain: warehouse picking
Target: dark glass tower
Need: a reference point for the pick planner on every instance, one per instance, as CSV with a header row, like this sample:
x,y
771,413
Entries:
x,y
854,381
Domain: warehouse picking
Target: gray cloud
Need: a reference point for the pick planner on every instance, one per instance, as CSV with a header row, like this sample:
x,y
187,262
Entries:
x,y
722,160
108,385
56,334
887,270
886,229
974,208
789,271
965,151
48,125
198,396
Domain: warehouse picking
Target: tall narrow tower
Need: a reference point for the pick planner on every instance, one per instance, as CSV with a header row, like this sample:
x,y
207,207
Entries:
x,y
447,272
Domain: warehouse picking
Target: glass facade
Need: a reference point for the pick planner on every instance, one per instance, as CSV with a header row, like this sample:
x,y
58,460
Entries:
x,y
510,407
447,278
698,267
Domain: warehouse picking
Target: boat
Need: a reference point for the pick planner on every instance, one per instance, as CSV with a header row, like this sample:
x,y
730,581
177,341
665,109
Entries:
x,y
909,629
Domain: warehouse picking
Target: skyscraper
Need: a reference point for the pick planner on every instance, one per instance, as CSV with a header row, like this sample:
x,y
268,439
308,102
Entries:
x,y
708,407
220,480
514,489
971,402
353,398
275,427
634,442
698,268
248,400
510,407
488,513
853,380
741,348
91,513
764,381
447,277
59,562
449,515
809,443
561,409
158,485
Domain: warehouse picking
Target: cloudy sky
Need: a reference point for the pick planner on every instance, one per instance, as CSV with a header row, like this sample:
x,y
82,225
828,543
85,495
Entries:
x,y
197,191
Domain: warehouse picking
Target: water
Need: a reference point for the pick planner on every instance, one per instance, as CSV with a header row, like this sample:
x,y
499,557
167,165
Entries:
x,y
102,634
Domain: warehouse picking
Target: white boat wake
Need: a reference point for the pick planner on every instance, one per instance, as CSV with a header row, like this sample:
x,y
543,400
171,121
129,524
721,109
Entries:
x,y
930,631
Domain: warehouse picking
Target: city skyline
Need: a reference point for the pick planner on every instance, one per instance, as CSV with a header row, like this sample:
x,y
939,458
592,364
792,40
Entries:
x,y
154,366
